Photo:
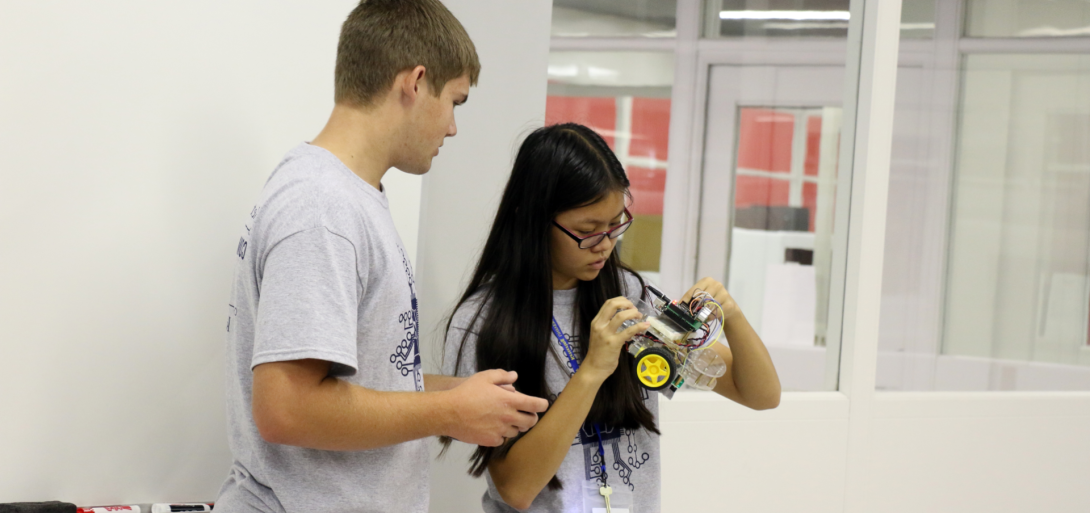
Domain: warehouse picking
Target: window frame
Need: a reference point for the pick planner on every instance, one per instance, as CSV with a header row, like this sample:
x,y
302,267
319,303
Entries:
x,y
938,57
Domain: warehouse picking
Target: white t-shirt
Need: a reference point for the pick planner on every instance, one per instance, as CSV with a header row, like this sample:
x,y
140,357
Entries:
x,y
321,274
631,456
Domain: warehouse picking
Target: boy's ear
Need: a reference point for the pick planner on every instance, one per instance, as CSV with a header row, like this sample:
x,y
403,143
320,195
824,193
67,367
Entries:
x,y
412,83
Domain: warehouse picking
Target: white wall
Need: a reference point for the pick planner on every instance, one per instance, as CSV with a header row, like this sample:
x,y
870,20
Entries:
x,y
463,189
135,138
928,452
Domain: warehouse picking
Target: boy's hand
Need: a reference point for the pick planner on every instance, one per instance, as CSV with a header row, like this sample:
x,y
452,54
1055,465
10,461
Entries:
x,y
488,410
719,293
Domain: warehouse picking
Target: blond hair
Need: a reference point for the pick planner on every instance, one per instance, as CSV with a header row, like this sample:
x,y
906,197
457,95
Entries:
x,y
382,38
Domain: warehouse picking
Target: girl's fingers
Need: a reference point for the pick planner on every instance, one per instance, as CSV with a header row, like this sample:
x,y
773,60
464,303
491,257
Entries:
x,y
703,284
606,324
621,317
717,292
632,331
618,305
609,310
713,288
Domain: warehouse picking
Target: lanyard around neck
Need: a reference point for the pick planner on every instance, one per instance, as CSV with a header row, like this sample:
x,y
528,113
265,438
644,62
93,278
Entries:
x,y
565,346
573,362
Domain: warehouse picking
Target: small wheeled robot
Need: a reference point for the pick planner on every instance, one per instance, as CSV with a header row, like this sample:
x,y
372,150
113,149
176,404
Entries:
x,y
675,351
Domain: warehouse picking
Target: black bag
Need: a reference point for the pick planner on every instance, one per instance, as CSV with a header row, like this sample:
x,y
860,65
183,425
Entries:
x,y
38,507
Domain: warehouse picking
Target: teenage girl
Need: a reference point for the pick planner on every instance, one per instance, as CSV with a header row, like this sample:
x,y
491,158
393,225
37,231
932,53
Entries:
x,y
547,300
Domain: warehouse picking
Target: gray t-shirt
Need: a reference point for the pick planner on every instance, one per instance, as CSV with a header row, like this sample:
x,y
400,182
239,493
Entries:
x,y
632,456
321,274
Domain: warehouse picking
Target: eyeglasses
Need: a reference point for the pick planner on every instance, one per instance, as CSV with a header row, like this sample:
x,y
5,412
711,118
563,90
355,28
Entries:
x,y
595,239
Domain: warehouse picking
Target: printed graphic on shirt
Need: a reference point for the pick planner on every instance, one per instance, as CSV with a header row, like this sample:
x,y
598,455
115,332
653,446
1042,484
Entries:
x,y
407,355
244,241
232,312
635,457
240,251
624,464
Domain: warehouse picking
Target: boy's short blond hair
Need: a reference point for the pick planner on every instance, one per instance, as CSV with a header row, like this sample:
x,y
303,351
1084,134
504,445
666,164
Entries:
x,y
382,38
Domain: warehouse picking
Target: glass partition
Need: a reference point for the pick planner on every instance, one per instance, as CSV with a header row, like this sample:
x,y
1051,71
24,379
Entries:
x,y
1018,278
1027,18
986,280
614,18
784,196
625,97
770,173
768,221
803,18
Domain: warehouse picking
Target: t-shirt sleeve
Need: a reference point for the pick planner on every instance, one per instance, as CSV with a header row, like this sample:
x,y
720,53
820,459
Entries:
x,y
309,301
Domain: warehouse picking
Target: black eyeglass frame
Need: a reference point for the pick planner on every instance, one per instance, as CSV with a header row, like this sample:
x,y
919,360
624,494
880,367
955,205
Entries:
x,y
612,233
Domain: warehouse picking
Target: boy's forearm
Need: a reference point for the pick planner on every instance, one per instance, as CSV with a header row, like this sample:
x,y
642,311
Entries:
x,y
347,417
338,416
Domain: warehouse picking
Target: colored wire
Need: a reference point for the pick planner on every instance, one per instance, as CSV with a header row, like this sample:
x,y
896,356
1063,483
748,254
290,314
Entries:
x,y
698,302
707,340
719,330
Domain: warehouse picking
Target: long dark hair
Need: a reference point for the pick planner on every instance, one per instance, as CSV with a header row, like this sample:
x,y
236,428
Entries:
x,y
558,168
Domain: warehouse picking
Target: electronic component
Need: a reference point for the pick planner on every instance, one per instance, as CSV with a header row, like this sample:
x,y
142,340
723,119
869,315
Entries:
x,y
674,351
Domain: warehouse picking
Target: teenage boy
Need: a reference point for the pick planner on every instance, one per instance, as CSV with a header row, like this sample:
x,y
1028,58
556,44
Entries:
x,y
327,406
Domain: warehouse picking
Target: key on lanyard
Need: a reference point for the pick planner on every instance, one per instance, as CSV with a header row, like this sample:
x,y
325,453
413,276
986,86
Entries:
x,y
606,491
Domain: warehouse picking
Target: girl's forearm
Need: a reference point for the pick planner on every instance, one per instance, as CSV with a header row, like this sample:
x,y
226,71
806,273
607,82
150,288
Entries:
x,y
751,370
534,459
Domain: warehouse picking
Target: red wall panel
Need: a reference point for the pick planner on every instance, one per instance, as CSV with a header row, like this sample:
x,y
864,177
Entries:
x,y
647,187
758,190
764,140
599,114
650,127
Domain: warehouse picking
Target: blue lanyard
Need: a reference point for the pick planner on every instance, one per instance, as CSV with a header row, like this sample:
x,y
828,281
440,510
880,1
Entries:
x,y
565,346
602,455
573,363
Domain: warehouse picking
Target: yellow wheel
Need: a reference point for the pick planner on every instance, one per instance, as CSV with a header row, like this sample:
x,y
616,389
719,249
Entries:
x,y
655,368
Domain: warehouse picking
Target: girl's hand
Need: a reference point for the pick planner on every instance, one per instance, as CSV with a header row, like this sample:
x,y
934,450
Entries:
x,y
719,293
605,346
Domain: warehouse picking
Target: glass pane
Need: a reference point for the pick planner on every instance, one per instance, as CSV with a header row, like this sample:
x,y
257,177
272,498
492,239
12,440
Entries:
x,y
916,228
768,206
783,191
612,69
625,97
986,281
803,18
1018,284
1027,18
614,18
917,19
